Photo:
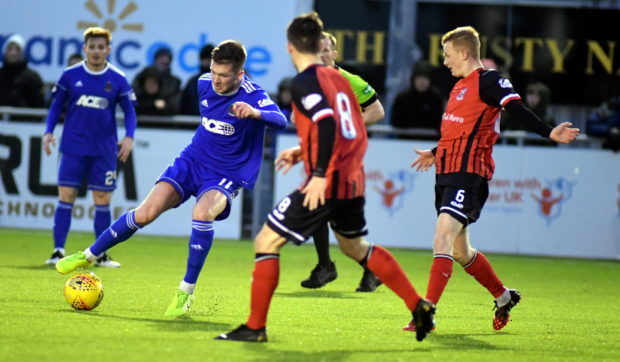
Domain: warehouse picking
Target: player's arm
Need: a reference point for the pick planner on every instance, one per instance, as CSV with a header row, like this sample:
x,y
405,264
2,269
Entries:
x,y
373,113
562,133
310,100
287,159
372,109
315,189
265,110
126,101
498,91
60,93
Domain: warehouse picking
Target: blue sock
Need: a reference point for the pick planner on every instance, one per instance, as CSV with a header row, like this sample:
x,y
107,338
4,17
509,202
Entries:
x,y
103,218
199,245
122,229
62,223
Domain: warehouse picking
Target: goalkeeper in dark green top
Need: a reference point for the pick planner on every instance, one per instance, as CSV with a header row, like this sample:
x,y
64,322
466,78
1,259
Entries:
x,y
372,112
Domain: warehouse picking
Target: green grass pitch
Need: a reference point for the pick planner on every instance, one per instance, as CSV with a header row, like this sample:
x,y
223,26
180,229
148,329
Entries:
x,y
569,311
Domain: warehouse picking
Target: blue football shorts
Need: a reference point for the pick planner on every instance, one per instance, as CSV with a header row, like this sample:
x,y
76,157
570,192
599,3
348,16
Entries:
x,y
191,178
99,171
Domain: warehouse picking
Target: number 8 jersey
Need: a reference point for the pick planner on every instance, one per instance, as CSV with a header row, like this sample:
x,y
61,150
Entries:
x,y
321,93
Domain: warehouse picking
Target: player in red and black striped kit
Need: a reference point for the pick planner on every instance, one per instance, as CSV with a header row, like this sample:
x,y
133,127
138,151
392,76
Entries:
x,y
332,145
464,164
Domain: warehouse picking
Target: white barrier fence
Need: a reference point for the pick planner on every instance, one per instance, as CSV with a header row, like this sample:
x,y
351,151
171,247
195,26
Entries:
x,y
554,201
28,195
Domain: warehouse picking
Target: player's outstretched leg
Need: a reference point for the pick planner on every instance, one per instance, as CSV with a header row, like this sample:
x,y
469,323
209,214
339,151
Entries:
x,y
123,228
200,242
325,271
264,283
383,264
502,314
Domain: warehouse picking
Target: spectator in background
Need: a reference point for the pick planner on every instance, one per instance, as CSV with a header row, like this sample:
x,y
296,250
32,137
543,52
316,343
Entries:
x,y
284,97
537,98
189,98
606,122
170,85
151,101
74,59
20,86
421,105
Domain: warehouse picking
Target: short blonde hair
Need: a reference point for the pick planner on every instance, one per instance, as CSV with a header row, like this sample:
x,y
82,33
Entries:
x,y
464,37
97,32
331,37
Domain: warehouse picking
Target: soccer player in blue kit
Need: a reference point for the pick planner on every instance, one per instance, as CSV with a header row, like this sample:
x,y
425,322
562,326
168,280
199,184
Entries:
x,y
224,155
89,144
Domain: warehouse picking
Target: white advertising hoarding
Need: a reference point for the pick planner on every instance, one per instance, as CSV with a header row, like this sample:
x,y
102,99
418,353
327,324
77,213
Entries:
x,y
28,195
53,31
542,200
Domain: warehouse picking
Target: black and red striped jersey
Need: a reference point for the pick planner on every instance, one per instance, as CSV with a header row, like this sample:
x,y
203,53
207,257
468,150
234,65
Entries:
x,y
319,93
470,123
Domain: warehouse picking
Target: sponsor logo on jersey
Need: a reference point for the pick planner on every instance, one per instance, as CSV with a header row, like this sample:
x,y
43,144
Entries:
x,y
505,83
311,100
204,103
461,95
265,102
79,84
218,127
367,89
451,117
92,102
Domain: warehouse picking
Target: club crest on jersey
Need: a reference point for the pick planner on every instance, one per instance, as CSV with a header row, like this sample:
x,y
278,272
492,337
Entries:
x,y
218,127
92,102
311,100
264,102
505,83
461,94
108,86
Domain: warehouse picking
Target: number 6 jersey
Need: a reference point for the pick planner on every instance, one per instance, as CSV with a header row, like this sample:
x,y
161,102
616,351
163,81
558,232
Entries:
x,y
331,130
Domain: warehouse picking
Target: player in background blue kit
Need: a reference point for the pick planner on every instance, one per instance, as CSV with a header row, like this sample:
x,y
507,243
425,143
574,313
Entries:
x,y
224,155
89,145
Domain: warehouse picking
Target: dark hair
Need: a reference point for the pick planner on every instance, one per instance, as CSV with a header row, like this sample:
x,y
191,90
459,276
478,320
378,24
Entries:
x,y
305,32
205,52
163,51
230,52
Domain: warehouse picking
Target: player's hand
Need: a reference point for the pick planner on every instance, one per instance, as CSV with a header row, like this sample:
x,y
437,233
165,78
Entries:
x,y
244,110
425,160
563,133
125,146
315,192
287,159
47,139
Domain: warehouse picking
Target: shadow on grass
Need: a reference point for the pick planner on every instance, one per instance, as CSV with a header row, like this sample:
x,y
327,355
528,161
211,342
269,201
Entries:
x,y
29,267
465,341
267,353
319,294
178,324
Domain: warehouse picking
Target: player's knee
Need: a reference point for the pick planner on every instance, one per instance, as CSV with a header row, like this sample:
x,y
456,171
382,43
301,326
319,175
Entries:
x,y
145,214
203,214
354,248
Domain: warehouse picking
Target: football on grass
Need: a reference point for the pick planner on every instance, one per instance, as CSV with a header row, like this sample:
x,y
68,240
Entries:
x,y
84,291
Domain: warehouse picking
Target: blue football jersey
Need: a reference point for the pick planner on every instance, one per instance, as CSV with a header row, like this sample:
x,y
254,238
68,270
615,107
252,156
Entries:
x,y
91,97
231,146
